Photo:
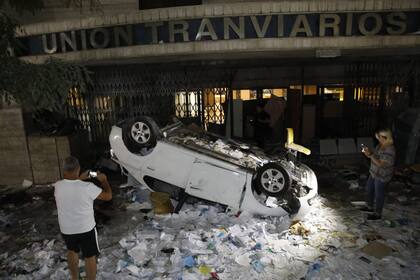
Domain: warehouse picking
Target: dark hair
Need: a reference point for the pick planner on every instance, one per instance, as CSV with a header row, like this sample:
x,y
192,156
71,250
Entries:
x,y
70,164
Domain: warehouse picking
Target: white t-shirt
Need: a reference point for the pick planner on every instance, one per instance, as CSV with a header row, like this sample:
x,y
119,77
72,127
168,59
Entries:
x,y
74,199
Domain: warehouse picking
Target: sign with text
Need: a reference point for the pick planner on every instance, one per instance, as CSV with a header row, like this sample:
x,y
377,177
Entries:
x,y
225,28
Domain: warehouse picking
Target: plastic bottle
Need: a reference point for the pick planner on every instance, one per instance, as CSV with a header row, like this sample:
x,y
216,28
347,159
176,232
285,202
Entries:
x,y
313,271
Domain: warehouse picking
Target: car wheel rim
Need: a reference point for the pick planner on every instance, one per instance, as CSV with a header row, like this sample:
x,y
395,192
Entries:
x,y
272,180
140,132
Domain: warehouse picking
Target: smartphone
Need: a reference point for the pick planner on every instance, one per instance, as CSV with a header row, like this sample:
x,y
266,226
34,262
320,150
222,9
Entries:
x,y
363,146
92,174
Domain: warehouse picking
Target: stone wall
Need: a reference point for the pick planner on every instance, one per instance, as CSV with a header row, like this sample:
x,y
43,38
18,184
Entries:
x,y
47,155
35,158
14,157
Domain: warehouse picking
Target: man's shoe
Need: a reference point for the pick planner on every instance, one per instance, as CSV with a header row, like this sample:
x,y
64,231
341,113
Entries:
x,y
374,216
366,209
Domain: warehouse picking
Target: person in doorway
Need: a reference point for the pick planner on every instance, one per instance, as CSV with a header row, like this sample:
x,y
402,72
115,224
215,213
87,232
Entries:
x,y
381,171
74,199
262,125
276,107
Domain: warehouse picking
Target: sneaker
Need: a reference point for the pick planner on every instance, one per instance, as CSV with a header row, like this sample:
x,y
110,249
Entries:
x,y
366,209
374,216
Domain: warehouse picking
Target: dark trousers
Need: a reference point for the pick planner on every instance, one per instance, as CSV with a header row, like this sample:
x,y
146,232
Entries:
x,y
376,194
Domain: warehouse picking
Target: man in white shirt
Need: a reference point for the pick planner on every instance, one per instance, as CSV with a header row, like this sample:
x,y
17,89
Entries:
x,y
74,199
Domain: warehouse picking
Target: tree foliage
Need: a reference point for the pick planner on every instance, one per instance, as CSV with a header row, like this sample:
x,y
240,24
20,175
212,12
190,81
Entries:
x,y
23,5
35,86
94,5
41,86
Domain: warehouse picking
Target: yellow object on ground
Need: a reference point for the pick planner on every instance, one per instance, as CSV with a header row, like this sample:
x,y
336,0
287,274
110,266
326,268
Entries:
x,y
298,228
161,203
204,269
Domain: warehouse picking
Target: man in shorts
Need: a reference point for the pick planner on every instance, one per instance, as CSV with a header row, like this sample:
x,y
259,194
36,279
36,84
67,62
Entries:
x,y
74,199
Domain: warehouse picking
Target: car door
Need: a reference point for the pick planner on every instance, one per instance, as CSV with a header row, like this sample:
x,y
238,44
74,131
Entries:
x,y
216,182
169,163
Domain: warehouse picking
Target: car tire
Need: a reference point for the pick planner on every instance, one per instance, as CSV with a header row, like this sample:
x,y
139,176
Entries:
x,y
140,132
272,179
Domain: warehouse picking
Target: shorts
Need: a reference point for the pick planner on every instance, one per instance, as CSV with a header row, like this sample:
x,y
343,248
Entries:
x,y
87,242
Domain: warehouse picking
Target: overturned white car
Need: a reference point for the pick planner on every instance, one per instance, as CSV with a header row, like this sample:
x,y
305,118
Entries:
x,y
187,160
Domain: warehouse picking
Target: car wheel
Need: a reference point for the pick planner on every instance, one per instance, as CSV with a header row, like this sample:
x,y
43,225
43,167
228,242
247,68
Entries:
x,y
272,180
140,132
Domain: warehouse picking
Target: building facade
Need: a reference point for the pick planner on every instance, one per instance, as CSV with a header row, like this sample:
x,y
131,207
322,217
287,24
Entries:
x,y
343,67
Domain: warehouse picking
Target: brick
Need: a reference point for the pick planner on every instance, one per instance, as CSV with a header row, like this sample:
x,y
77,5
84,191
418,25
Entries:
x,y
63,147
237,9
266,8
378,5
114,20
286,7
137,17
164,14
199,10
332,6
218,10
173,13
388,4
122,19
11,123
208,11
181,12
369,5
99,21
147,17
256,9
396,5
405,5
107,20
47,154
313,6
414,4
190,13
276,7
227,10
130,18
155,15
329,5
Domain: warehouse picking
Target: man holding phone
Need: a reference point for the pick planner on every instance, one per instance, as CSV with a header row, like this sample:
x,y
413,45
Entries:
x,y
74,199
381,170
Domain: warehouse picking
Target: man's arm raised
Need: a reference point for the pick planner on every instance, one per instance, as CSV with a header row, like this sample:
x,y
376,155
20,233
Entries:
x,y
106,193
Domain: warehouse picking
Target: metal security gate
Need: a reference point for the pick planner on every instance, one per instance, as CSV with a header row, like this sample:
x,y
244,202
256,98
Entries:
x,y
194,93
205,106
380,93
200,93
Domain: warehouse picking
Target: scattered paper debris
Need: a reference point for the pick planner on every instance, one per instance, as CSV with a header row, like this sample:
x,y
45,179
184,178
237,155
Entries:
x,y
26,183
205,242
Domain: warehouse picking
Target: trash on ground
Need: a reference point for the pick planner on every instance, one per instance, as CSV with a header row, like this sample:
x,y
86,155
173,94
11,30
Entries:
x,y
161,203
298,228
377,249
